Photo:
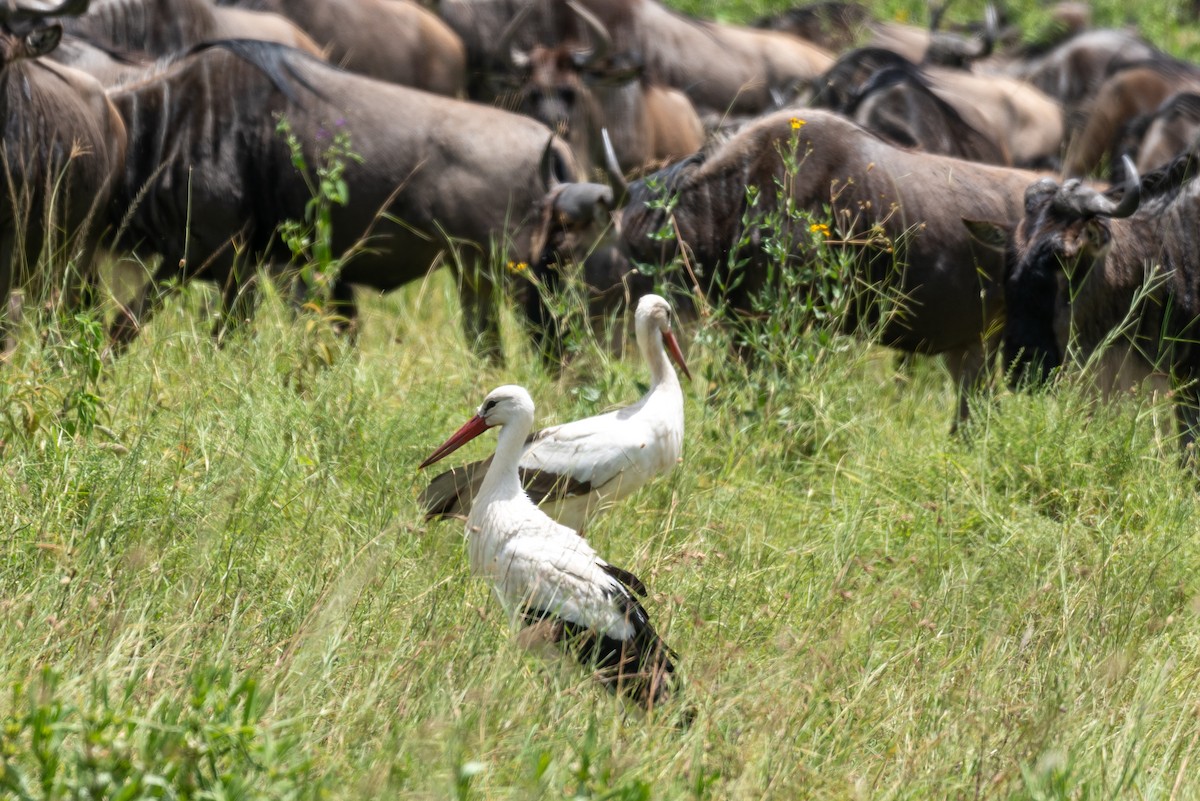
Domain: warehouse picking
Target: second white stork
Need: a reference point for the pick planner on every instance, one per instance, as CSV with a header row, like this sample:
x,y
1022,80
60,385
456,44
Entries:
x,y
545,573
576,469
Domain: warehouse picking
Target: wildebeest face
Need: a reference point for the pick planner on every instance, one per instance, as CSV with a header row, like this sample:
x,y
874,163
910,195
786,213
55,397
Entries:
x,y
551,87
1065,235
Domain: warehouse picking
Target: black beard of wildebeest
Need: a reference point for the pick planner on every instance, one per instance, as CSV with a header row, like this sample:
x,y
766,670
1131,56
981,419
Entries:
x,y
63,147
1080,259
208,172
951,284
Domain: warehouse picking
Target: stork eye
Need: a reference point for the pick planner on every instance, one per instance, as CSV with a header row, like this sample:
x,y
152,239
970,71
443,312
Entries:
x,y
489,405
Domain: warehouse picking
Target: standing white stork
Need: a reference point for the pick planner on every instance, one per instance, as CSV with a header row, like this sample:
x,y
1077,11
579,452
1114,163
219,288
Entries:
x,y
576,469
544,572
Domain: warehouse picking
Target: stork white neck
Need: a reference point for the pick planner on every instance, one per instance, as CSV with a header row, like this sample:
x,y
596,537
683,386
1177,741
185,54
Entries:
x,y
502,481
650,343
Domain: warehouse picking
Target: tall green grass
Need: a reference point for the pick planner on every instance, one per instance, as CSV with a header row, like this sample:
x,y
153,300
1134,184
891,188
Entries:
x,y
865,607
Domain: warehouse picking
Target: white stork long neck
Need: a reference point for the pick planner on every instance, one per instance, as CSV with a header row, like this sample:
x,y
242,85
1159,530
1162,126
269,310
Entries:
x,y
654,351
502,481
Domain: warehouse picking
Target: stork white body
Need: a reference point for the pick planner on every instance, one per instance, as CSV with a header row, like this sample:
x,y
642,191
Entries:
x,y
577,469
544,571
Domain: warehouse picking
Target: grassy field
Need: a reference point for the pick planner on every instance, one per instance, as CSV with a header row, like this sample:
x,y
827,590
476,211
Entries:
x,y
215,581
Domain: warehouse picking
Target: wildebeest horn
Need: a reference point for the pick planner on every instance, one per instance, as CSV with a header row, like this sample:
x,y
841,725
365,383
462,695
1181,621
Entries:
x,y
1131,198
68,8
613,168
991,32
1083,201
601,40
512,58
936,13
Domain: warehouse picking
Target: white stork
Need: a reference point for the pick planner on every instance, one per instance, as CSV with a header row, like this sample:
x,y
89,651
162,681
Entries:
x,y
544,572
576,469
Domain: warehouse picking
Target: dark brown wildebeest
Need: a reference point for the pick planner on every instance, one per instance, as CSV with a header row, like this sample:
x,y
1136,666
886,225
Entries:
x,y
437,176
1130,92
63,146
1170,130
579,92
168,27
1025,124
838,26
898,104
1080,260
898,211
724,69
1073,71
393,40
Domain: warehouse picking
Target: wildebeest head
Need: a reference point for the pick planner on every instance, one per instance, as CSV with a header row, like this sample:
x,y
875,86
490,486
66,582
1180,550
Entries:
x,y
1065,234
555,80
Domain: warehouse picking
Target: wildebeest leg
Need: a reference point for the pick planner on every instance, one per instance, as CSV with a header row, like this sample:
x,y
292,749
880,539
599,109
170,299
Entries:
x,y
345,309
1187,417
542,323
238,299
970,370
10,302
130,319
481,322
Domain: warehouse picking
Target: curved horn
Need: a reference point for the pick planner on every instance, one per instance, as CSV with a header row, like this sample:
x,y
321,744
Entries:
x,y
601,40
1076,199
613,168
1131,198
504,46
935,15
991,32
548,165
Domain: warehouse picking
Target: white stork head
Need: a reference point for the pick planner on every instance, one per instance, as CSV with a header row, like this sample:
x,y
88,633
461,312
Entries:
x,y
654,314
506,405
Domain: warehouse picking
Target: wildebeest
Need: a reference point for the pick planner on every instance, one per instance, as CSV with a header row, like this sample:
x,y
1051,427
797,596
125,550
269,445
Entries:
x,y
724,69
394,40
838,26
1080,259
898,211
581,91
898,104
1129,92
1073,71
209,179
63,145
1160,136
167,27
1024,123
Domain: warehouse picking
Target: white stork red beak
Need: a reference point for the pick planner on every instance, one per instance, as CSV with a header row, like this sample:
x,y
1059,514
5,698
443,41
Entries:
x,y
676,353
469,431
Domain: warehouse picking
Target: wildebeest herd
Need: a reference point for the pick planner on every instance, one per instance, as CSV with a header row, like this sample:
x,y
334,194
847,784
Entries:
x,y
962,173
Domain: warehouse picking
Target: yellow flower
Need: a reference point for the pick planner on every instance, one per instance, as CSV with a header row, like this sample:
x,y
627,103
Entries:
x,y
797,123
820,228
517,267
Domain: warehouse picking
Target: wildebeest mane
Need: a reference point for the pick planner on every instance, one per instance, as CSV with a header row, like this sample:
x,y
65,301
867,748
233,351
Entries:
x,y
839,84
888,76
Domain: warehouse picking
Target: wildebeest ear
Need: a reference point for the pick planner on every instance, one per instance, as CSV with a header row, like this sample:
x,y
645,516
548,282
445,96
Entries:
x,y
990,234
41,41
